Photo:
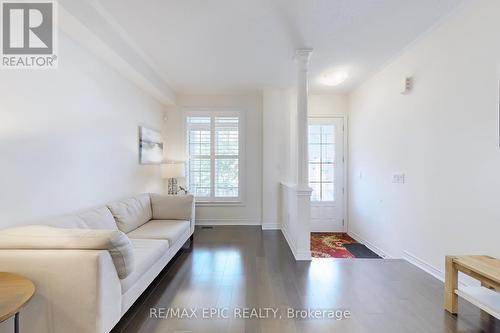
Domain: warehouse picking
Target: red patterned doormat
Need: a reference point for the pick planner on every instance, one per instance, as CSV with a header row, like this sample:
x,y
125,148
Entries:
x,y
331,245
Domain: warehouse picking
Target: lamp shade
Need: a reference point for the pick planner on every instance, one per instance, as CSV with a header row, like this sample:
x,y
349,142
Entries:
x,y
173,170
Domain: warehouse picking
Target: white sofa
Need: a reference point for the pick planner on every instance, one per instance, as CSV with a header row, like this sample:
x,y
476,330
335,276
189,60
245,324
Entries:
x,y
89,268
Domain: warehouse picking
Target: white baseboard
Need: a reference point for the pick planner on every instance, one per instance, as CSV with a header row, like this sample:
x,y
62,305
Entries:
x,y
288,238
227,222
438,274
303,256
271,226
463,280
299,255
371,246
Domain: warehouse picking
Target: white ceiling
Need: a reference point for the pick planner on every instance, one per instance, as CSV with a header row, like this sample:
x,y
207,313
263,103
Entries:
x,y
205,46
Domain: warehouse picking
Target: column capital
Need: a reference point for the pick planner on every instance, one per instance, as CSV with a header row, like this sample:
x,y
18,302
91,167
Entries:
x,y
302,56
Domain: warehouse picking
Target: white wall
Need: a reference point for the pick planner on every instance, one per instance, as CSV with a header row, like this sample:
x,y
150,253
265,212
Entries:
x,y
278,165
443,136
251,104
328,105
69,138
279,145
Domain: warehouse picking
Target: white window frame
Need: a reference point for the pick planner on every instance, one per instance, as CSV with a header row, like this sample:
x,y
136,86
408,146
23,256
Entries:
x,y
212,200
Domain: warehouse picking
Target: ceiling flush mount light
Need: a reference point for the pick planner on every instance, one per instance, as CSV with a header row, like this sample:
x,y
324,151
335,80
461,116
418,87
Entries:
x,y
334,78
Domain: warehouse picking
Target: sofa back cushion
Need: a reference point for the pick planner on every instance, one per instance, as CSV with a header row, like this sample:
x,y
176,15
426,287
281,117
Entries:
x,y
98,218
172,207
131,213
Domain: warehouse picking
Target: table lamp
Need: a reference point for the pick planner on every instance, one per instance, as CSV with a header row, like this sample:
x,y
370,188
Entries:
x,y
172,171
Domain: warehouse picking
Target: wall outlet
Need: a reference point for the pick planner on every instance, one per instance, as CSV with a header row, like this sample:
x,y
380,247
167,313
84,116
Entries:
x,y
398,178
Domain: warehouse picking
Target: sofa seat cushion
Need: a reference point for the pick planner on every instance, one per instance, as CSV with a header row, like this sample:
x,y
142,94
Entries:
x,y
132,213
172,230
146,253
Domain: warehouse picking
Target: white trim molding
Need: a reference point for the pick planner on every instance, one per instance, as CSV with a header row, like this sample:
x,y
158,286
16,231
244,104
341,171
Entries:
x,y
271,226
371,246
228,222
438,274
463,280
220,204
297,254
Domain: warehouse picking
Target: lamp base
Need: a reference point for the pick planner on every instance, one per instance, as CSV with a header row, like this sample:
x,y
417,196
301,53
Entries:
x,y
172,186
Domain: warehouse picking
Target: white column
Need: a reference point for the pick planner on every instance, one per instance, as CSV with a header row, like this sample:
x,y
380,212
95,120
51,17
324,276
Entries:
x,y
303,191
302,57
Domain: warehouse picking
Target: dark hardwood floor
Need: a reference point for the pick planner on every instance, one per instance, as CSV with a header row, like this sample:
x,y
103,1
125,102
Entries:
x,y
234,267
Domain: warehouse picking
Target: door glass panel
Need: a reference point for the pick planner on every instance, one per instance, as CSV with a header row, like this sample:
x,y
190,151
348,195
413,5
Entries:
x,y
314,172
327,134
314,134
322,161
315,153
327,191
316,193
327,153
327,173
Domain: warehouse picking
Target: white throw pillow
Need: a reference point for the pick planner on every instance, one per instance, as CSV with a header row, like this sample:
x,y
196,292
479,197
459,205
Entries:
x,y
44,237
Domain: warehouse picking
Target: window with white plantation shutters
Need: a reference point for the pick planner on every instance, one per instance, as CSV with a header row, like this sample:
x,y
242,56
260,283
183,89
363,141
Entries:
x,y
213,145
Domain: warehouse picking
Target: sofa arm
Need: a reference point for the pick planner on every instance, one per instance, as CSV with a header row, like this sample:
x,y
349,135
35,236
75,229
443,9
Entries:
x,y
76,290
173,207
44,237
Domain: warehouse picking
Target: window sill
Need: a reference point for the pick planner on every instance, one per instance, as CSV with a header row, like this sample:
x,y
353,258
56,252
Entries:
x,y
219,204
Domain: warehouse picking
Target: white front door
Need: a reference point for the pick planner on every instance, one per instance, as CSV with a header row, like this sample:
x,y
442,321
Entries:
x,y
326,174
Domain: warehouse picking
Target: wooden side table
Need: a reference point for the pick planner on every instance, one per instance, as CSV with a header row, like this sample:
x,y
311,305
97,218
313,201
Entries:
x,y
15,292
483,268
